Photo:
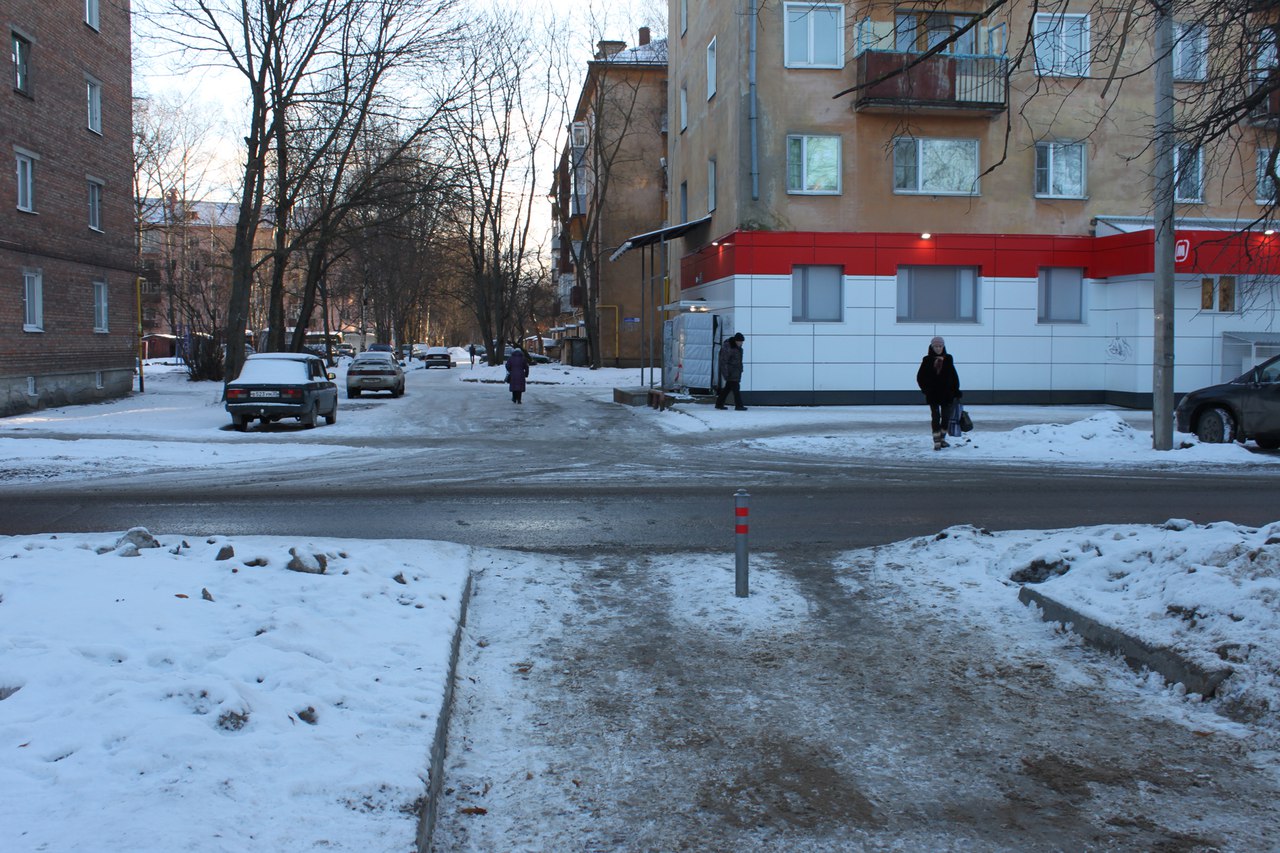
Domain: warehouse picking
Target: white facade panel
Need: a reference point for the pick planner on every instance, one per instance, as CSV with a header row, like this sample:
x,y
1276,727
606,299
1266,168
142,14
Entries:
x,y
777,377
843,377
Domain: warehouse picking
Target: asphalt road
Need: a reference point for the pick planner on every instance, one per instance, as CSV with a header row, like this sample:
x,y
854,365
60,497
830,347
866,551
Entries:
x,y
457,462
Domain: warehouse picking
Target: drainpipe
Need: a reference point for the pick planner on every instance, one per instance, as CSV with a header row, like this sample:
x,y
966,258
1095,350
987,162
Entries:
x,y
751,79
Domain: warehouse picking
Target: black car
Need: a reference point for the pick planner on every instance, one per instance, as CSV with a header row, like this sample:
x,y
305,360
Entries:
x,y
277,385
1247,407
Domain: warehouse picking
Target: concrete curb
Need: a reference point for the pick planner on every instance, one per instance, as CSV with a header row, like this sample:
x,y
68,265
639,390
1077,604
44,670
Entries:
x,y
435,772
1138,654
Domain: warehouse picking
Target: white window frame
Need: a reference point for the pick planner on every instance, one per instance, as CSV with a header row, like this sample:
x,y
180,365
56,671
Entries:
x,y
32,300
798,178
100,305
964,302
1180,152
93,97
1055,55
91,10
684,108
920,145
94,188
804,296
1263,160
26,176
1048,156
711,185
711,68
20,53
803,14
1190,51
1052,284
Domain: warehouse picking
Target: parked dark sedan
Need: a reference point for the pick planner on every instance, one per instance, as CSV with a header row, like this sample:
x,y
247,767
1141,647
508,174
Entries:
x,y
1247,407
276,385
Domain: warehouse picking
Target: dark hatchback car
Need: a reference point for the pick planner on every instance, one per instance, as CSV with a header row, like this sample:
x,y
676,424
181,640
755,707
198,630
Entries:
x,y
1247,407
277,385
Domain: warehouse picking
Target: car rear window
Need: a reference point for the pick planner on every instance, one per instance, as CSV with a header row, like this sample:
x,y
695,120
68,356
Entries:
x,y
273,372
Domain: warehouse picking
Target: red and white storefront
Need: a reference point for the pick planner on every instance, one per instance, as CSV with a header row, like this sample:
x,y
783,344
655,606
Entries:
x,y
1224,313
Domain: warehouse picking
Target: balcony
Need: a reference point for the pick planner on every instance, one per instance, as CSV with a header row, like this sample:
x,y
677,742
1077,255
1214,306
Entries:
x,y
939,85
1267,112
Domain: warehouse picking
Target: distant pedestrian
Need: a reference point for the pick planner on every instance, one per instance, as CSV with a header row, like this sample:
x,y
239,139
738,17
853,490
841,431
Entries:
x,y
471,351
517,370
731,372
940,385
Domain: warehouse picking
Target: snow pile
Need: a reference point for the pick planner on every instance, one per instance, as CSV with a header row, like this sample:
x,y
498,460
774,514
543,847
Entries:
x,y
249,694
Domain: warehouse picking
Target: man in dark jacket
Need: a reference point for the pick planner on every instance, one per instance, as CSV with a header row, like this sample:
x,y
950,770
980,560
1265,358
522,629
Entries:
x,y
940,385
731,372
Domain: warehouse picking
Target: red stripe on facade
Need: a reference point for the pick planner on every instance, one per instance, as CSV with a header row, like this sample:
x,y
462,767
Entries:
x,y
997,255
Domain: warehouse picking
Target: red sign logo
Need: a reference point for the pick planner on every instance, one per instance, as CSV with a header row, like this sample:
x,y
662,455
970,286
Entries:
x,y
1181,250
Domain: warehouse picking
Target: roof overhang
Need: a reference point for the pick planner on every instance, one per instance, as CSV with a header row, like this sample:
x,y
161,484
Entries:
x,y
661,235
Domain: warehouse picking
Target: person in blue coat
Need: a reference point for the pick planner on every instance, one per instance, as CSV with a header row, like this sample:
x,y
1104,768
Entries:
x,y
940,385
517,371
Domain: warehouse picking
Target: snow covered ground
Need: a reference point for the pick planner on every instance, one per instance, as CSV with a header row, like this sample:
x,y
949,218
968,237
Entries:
x,y
226,694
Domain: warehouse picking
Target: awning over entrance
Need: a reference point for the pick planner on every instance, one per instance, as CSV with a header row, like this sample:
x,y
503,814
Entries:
x,y
662,235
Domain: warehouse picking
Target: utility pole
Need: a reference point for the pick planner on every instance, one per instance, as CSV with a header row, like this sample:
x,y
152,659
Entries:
x,y
1163,192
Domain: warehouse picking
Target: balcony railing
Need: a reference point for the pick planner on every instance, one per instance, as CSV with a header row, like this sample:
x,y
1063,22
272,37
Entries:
x,y
889,82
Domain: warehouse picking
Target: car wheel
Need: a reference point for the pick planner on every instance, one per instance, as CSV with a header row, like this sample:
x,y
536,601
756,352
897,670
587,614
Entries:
x,y
308,420
352,393
332,418
1268,443
239,424
1216,426
396,392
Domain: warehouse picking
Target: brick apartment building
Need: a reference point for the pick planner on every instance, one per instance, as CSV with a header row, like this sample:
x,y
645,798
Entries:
x,y
979,195
619,128
68,305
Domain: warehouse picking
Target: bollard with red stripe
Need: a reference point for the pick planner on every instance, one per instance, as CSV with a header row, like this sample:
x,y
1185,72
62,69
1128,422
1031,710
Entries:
x,y
742,518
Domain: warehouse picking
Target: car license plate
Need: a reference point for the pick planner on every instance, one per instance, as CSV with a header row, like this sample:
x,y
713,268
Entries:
x,y
264,393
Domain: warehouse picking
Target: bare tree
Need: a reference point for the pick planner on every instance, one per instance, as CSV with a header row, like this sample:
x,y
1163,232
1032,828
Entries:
x,y
496,141
293,55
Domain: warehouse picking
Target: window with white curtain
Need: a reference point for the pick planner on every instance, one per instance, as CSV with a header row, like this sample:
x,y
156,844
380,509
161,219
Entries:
x,y
814,35
1061,295
935,166
1060,169
817,294
937,294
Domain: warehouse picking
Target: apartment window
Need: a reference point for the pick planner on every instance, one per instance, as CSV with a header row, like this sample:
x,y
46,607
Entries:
x,y
684,201
1061,295
813,165
21,52
917,32
1188,173
813,35
935,166
937,294
1190,51
817,294
1062,45
711,69
91,13
684,108
93,90
1267,168
1060,170
26,181
684,16
95,204
711,185
100,306
32,301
